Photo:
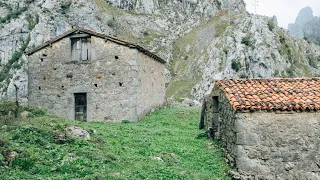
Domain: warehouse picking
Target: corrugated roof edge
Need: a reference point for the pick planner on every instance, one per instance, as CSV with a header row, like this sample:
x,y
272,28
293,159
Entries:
x,y
101,35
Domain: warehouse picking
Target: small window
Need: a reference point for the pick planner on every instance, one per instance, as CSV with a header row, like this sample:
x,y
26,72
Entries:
x,y
80,48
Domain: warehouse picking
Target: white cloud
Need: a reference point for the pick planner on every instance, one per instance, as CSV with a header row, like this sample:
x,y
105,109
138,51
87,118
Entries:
x,y
285,10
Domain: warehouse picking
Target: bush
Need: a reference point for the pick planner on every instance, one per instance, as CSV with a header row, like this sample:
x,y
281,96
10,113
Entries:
x,y
290,72
13,15
271,25
236,65
246,40
282,39
111,23
65,5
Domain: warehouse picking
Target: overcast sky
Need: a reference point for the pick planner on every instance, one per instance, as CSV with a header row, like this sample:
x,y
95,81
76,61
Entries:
x,y
285,10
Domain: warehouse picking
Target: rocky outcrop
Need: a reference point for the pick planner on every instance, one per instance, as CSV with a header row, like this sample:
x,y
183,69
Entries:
x,y
306,26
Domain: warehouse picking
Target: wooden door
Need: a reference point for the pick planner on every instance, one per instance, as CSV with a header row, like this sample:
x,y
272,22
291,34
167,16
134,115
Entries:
x,y
80,106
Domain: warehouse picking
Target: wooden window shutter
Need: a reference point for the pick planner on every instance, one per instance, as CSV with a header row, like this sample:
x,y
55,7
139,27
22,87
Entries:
x,y
76,49
85,49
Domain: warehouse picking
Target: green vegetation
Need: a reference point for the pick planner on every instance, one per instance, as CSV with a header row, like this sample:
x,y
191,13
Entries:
x,y
111,23
181,88
220,28
8,108
271,25
247,41
14,61
290,72
13,14
163,145
65,5
32,22
28,1
313,61
282,39
236,65
189,49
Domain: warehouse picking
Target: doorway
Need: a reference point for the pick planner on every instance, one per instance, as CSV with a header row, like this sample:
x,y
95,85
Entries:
x,y
80,101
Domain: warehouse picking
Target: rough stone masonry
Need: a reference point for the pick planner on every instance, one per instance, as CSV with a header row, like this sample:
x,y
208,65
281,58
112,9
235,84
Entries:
x,y
116,81
269,128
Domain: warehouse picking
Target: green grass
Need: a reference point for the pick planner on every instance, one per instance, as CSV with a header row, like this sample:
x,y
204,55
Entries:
x,y
115,151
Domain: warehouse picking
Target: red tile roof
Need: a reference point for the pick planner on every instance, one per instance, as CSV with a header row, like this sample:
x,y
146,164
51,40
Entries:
x,y
272,94
98,34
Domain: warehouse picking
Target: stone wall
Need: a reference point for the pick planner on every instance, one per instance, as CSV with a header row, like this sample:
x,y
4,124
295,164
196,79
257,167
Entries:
x,y
278,146
152,84
266,145
220,123
111,80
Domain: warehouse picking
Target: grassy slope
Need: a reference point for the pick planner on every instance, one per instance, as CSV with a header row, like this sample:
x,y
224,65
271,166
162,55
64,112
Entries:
x,y
115,151
184,66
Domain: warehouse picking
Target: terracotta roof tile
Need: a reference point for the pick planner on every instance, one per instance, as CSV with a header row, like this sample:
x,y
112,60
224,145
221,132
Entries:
x,y
272,94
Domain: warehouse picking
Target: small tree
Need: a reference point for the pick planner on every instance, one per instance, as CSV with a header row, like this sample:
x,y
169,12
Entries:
x,y
271,25
236,65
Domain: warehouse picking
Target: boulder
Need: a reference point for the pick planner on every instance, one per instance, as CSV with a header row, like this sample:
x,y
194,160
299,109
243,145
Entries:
x,y
74,131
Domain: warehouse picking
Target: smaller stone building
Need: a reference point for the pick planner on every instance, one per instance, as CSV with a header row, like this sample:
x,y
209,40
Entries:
x,y
269,128
89,76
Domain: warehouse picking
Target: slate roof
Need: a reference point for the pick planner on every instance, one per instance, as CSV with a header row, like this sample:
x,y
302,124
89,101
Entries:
x,y
97,34
297,94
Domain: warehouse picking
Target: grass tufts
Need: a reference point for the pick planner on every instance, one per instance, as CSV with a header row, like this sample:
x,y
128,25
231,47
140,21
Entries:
x,y
164,145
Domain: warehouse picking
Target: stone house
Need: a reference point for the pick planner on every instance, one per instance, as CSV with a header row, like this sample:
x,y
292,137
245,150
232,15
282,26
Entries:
x,y
268,128
89,76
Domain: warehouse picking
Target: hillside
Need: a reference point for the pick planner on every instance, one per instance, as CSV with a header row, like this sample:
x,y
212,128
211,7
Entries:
x,y
164,145
201,40
238,45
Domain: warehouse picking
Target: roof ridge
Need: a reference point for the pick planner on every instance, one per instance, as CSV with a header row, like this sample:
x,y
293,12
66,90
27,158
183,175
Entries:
x,y
99,34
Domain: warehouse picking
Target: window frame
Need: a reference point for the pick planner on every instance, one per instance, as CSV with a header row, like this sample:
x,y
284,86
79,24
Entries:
x,y
80,47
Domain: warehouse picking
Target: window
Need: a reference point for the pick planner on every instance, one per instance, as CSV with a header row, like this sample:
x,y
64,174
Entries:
x,y
80,49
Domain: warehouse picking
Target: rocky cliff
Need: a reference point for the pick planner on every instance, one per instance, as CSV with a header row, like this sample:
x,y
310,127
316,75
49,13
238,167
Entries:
x,y
201,40
306,26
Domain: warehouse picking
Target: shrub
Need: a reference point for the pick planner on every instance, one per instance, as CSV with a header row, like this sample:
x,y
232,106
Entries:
x,y
111,23
290,72
312,61
271,25
13,15
246,40
236,65
226,50
65,5
282,39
